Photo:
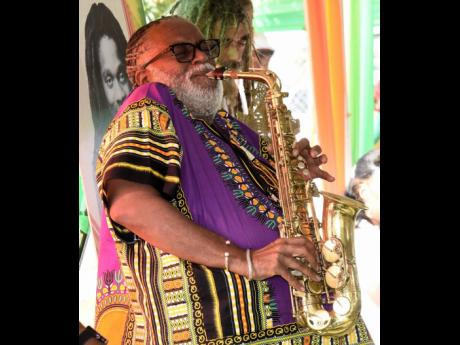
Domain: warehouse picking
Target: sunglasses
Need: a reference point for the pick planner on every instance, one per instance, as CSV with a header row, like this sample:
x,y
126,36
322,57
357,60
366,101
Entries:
x,y
265,52
185,52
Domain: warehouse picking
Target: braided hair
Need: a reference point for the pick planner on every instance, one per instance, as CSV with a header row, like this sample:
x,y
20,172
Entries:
x,y
207,13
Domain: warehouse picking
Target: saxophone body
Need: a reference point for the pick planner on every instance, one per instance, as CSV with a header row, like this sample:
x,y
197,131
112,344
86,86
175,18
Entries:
x,y
257,118
330,307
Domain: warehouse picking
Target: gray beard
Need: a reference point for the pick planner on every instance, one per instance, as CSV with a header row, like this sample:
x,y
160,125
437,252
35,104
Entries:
x,y
202,97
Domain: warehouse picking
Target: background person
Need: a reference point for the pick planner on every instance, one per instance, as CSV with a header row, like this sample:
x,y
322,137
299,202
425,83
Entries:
x,y
365,187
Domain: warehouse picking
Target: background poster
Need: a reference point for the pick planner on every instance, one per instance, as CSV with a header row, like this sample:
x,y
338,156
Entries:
x,y
103,34
104,28
92,125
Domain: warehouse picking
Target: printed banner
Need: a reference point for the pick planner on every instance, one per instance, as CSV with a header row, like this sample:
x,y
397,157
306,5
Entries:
x,y
104,29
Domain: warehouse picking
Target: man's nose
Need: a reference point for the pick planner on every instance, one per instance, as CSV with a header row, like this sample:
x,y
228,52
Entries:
x,y
235,54
238,46
200,57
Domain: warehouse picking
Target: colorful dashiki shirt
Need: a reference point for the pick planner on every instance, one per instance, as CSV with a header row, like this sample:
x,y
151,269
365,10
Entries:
x,y
221,177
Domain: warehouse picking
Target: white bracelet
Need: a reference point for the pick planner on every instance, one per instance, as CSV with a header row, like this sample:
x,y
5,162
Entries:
x,y
248,259
226,255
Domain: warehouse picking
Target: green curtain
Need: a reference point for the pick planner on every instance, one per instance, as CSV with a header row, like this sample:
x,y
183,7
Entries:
x,y
376,12
83,214
83,219
278,15
361,79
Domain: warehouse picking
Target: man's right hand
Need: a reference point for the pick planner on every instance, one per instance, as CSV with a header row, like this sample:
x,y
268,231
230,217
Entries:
x,y
279,256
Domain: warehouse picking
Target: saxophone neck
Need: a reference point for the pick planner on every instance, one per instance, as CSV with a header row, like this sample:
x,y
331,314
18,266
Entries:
x,y
218,73
261,75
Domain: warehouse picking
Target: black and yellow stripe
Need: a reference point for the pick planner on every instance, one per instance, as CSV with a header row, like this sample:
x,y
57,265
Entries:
x,y
141,146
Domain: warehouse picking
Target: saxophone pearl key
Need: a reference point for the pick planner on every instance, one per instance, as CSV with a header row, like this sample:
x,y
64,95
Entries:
x,y
341,306
332,250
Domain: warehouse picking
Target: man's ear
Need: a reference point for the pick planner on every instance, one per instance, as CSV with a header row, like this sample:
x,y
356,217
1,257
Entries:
x,y
140,77
363,192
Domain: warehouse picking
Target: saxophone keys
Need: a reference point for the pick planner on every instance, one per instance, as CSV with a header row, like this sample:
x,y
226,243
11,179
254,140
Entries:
x,y
341,306
306,172
319,319
332,250
314,287
301,163
298,293
296,273
334,277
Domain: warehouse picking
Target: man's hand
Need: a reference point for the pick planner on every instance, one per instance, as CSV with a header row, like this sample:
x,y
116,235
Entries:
x,y
313,159
279,256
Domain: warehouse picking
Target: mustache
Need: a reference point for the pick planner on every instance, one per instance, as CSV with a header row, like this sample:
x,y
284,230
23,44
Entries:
x,y
201,69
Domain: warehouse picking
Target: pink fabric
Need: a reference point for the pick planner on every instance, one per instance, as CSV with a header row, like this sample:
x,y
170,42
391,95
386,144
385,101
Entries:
x,y
108,260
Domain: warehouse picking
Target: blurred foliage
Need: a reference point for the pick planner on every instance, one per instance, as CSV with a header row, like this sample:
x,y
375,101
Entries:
x,y
154,9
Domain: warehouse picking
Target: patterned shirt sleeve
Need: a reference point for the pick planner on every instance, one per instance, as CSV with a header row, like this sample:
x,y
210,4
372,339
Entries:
x,y
141,146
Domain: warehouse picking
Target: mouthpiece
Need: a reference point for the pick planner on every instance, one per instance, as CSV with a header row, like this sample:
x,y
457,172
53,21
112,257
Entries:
x,y
223,73
218,73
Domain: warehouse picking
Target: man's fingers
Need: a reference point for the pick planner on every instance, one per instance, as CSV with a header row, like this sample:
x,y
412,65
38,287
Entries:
x,y
301,145
300,248
321,160
313,160
294,264
326,176
315,151
317,173
287,275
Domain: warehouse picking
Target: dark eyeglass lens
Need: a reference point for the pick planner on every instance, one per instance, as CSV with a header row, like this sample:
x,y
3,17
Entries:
x,y
265,52
183,52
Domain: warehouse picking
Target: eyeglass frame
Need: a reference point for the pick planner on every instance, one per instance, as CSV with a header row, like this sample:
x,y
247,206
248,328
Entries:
x,y
265,52
171,49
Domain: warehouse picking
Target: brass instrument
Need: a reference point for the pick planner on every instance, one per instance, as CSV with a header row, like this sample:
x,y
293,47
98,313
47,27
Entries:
x,y
257,118
332,306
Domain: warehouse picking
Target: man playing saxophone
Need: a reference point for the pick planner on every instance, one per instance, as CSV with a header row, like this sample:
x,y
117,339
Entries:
x,y
193,205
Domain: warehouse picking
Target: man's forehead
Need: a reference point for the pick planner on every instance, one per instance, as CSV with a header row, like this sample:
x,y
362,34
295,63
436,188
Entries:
x,y
172,31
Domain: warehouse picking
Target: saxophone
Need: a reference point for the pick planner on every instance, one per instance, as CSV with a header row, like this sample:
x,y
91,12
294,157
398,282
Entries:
x,y
256,118
330,307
